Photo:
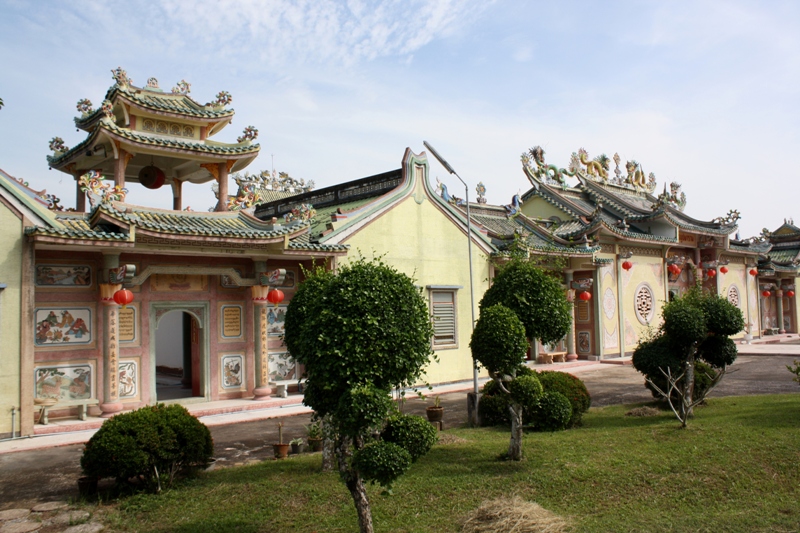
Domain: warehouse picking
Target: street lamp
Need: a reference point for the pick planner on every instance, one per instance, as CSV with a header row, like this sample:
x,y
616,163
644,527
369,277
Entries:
x,y
447,167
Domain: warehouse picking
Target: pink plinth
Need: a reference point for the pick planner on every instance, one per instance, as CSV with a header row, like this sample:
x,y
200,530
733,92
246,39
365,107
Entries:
x,y
110,409
262,393
572,357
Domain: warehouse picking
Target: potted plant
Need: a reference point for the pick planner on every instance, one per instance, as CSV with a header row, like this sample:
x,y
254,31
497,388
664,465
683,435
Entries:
x,y
315,436
297,445
435,412
281,450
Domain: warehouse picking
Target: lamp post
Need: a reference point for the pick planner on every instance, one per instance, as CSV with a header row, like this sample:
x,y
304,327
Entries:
x,y
447,167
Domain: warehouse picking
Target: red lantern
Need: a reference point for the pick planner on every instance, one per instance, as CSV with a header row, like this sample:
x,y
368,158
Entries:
x,y
753,271
585,296
711,272
275,296
789,294
723,269
627,265
674,269
766,294
123,297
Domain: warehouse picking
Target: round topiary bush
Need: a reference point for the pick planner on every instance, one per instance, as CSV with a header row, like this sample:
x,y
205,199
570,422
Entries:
x,y
571,387
493,409
382,462
552,413
525,390
718,351
152,443
722,317
413,433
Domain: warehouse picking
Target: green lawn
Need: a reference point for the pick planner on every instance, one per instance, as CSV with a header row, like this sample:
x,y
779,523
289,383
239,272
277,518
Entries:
x,y
735,468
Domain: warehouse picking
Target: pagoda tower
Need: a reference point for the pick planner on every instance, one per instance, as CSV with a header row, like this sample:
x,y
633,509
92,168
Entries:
x,y
153,137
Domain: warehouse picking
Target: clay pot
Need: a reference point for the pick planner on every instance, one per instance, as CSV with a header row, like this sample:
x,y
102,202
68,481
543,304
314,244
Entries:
x,y
434,413
281,450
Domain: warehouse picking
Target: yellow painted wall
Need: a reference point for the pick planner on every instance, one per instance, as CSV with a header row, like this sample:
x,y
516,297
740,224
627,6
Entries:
x,y
646,269
737,277
609,316
539,208
418,240
10,301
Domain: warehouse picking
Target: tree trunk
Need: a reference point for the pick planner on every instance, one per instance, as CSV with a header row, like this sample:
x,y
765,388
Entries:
x,y
328,445
688,390
354,484
515,446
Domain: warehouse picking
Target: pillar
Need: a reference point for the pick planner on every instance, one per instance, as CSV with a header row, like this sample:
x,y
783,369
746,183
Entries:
x,y
779,305
261,308
120,164
222,204
571,354
109,403
80,196
177,193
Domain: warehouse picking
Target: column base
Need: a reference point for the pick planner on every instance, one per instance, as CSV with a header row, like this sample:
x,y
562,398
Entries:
x,y
262,393
572,357
110,409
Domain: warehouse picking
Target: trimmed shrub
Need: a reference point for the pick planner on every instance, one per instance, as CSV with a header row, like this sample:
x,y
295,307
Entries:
x,y
362,408
571,387
493,409
525,390
382,462
152,443
722,317
413,433
718,351
552,413
498,342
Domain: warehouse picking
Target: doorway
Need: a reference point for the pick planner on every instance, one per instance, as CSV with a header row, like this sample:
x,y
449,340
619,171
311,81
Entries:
x,y
178,357
585,342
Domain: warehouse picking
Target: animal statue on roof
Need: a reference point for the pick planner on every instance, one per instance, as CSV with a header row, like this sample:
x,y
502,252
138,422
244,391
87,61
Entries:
x,y
597,167
635,177
541,170
675,198
454,200
513,209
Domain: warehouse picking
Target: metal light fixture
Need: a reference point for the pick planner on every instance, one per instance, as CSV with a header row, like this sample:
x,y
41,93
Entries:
x,y
447,167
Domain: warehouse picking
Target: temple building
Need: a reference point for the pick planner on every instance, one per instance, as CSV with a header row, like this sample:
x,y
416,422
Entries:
x,y
210,290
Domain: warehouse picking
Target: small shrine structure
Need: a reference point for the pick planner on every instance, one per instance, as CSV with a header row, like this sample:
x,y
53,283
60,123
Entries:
x,y
156,138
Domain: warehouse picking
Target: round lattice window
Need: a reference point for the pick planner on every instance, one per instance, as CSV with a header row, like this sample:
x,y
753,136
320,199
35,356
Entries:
x,y
733,295
644,303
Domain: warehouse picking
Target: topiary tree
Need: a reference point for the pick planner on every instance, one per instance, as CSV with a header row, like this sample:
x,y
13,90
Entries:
x,y
572,388
694,337
152,443
499,344
537,298
359,334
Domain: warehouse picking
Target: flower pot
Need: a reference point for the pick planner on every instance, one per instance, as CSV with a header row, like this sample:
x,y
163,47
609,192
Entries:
x,y
281,450
297,448
315,444
434,414
87,487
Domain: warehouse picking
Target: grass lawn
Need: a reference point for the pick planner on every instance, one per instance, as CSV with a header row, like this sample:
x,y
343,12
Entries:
x,y
735,468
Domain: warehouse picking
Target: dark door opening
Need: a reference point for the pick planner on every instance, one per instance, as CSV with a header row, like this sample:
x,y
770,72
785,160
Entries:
x,y
177,357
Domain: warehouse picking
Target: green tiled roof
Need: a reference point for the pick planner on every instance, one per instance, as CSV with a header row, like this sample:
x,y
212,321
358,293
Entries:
x,y
786,255
208,147
237,225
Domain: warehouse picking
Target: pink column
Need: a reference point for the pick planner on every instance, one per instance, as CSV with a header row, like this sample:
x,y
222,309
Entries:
x,y
260,305
110,404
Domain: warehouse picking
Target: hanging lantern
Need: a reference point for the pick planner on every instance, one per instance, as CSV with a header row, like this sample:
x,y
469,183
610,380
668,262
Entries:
x,y
766,294
790,293
753,271
585,296
123,297
152,177
711,272
627,265
723,269
675,269
275,296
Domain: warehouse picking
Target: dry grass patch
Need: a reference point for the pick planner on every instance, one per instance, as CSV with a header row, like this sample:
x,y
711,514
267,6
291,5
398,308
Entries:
x,y
643,411
513,515
446,438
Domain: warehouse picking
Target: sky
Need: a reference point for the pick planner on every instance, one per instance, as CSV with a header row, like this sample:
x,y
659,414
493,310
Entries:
x,y
703,93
